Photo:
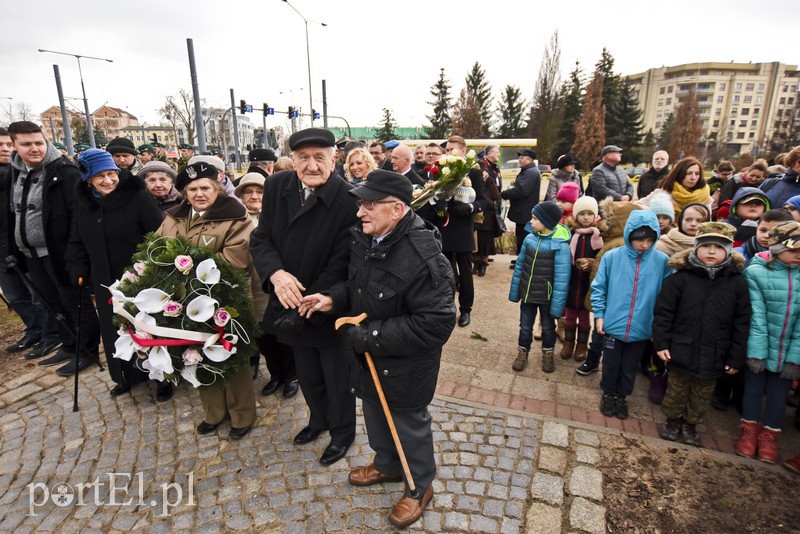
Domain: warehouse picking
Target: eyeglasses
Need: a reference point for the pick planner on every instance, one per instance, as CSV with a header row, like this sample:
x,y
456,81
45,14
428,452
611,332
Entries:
x,y
369,205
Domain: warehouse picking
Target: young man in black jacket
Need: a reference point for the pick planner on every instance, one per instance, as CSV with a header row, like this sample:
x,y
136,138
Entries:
x,y
41,192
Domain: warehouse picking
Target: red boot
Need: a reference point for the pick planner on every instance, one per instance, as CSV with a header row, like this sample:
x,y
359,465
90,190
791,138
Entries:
x,y
768,445
748,439
793,464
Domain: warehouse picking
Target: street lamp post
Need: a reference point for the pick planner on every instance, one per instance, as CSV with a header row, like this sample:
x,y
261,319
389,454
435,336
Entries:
x,y
308,59
83,88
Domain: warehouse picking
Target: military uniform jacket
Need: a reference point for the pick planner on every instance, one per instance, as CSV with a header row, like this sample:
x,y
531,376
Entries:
x,y
310,241
406,287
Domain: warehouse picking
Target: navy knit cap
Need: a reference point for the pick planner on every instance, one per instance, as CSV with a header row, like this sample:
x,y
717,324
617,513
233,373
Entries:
x,y
94,161
548,214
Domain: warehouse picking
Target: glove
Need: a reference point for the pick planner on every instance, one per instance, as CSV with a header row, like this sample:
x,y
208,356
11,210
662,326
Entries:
x,y
359,337
460,209
441,204
791,372
288,320
756,366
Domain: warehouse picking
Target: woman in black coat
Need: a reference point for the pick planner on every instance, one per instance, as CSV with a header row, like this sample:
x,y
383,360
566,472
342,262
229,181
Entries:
x,y
112,213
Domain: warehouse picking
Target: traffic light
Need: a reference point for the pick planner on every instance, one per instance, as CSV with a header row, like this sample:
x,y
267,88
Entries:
x,y
242,106
291,112
266,109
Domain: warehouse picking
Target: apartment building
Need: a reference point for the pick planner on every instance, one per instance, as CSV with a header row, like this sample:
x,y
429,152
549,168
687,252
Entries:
x,y
741,104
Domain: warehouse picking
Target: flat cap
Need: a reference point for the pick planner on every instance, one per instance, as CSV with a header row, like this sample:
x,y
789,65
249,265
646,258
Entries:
x,y
262,154
157,166
527,152
608,149
381,184
311,136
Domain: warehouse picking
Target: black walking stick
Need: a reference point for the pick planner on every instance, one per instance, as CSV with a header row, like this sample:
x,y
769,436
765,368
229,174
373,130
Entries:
x,y
78,343
11,262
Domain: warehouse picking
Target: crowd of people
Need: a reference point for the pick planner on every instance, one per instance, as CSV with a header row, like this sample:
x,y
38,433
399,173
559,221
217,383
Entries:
x,y
690,281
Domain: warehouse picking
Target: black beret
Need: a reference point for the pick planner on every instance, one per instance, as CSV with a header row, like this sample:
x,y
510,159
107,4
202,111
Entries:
x,y
311,136
195,171
381,184
262,154
121,145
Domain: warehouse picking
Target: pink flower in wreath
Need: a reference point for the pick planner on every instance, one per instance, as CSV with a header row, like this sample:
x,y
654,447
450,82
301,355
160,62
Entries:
x,y
184,263
138,267
173,309
191,357
129,276
221,317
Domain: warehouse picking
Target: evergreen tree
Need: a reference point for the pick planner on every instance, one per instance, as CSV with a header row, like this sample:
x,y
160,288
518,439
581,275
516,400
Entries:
x,y
467,116
685,139
665,135
546,111
627,124
386,130
80,132
648,146
612,88
590,131
511,109
572,95
441,123
480,90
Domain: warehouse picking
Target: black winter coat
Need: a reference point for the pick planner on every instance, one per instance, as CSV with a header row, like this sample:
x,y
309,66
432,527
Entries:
x,y
310,242
648,182
457,230
57,200
524,194
406,287
104,235
703,322
5,215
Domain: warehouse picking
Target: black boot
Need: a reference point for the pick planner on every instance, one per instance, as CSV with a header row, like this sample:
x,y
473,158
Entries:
x,y
590,364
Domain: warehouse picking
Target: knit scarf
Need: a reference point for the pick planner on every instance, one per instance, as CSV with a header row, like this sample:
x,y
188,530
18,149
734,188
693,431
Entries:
x,y
711,270
596,241
682,196
674,241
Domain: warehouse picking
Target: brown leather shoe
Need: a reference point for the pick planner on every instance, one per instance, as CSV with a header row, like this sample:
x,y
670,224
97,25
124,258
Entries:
x,y
408,510
367,476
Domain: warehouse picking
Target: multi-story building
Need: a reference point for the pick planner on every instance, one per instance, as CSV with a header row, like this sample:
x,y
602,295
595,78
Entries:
x,y
741,104
111,120
53,125
219,130
144,134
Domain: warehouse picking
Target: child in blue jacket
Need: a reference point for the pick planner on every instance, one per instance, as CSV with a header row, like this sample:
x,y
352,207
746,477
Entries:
x,y
624,293
541,281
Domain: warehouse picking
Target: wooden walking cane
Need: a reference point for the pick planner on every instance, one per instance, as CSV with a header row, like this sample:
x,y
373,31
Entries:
x,y
355,321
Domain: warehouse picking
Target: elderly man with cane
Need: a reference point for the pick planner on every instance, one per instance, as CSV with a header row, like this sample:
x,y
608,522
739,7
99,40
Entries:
x,y
400,279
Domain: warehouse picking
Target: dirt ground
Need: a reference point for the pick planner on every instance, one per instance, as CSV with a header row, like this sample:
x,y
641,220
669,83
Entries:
x,y
653,488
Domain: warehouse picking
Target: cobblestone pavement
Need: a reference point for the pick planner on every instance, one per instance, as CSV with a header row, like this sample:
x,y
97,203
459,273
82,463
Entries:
x,y
499,470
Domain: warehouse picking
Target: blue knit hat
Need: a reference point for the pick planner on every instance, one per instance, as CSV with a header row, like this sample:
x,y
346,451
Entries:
x,y
793,202
662,205
548,213
94,161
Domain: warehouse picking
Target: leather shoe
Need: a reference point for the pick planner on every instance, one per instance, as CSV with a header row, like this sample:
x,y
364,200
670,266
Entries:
x,y
164,391
119,389
238,433
290,389
307,435
333,453
22,344
408,510
206,428
463,320
271,387
42,349
70,369
367,476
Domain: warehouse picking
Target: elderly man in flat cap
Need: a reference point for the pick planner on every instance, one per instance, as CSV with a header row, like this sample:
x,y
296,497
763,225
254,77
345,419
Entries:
x,y
300,247
262,161
609,179
402,281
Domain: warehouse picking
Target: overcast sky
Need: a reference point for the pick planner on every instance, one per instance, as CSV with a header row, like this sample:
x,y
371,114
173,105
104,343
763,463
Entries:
x,y
373,54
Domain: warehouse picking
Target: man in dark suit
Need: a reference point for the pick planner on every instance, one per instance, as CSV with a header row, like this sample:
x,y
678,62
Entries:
x,y
378,152
458,236
401,161
301,245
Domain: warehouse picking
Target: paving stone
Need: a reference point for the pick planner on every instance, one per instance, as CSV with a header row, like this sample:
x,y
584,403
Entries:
x,y
586,482
555,434
588,516
587,455
552,459
548,488
543,519
586,437
456,521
